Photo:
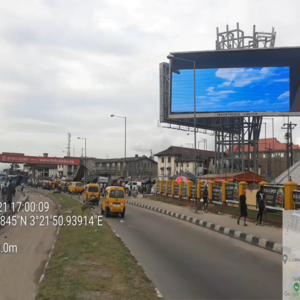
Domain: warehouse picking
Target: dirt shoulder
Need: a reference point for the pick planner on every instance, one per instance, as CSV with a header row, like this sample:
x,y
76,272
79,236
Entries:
x,y
90,262
28,247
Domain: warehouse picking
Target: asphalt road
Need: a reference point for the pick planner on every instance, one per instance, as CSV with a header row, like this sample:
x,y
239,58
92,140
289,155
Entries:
x,y
185,261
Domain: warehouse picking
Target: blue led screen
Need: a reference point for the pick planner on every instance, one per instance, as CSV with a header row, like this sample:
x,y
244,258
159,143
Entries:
x,y
252,89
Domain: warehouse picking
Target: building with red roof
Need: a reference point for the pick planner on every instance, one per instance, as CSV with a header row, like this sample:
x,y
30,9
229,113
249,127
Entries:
x,y
273,156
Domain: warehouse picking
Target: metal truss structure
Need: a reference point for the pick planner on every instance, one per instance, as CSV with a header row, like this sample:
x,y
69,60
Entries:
x,y
232,134
236,39
236,134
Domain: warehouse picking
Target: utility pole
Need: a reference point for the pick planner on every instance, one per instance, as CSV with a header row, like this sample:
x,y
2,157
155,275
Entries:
x,y
289,142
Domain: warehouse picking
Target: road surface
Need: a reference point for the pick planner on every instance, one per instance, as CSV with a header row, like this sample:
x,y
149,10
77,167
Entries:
x,y
16,198
29,247
185,261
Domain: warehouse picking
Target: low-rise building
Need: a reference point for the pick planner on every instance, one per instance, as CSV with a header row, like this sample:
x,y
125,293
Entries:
x,y
41,170
175,159
137,167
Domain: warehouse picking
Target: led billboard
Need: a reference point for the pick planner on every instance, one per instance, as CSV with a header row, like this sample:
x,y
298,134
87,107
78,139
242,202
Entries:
x,y
256,82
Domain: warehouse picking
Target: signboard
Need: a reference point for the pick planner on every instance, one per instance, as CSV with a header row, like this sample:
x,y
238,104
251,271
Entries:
x,y
296,197
184,191
217,194
267,78
102,179
170,189
164,189
158,188
193,190
274,196
232,193
38,160
176,191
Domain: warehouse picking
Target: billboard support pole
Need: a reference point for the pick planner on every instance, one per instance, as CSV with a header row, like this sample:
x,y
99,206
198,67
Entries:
x,y
195,135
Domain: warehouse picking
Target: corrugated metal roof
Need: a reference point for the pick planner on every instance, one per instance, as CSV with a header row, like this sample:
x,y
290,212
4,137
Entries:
x,y
294,172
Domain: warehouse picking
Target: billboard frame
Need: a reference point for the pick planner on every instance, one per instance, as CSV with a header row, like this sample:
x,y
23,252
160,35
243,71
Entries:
x,y
199,115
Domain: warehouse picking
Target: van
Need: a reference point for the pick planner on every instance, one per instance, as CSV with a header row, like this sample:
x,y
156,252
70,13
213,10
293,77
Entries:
x,y
114,201
92,194
76,188
133,185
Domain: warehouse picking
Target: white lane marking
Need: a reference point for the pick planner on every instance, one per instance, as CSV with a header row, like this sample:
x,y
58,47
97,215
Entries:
x,y
121,221
117,236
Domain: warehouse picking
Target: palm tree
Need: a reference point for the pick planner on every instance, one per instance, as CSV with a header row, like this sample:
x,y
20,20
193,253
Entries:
x,y
84,207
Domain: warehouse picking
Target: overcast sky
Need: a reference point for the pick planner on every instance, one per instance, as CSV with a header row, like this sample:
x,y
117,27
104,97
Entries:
x,y
67,65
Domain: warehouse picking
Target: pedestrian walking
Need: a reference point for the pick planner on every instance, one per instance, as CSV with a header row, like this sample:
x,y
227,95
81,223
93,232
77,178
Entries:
x,y
10,192
205,198
243,208
260,204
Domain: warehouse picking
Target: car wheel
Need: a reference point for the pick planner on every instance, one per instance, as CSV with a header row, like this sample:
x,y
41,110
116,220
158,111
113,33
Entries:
x,y
123,215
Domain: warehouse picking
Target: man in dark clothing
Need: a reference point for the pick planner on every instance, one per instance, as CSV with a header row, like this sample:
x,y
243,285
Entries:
x,y
205,198
260,204
243,208
10,192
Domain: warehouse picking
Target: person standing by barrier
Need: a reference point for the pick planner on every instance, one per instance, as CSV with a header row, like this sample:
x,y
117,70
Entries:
x,y
243,208
260,204
205,198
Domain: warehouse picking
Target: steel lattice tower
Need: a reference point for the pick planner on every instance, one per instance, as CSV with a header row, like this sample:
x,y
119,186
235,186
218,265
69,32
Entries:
x,y
233,134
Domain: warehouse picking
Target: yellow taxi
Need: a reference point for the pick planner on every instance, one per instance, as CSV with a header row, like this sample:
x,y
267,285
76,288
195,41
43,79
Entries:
x,y
114,201
92,194
76,188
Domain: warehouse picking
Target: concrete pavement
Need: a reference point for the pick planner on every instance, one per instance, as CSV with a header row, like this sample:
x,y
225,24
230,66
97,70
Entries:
x,y
21,271
268,232
185,261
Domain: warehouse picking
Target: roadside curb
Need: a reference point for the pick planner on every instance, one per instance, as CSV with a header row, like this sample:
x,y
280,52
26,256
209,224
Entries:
x,y
245,237
11,213
52,248
46,265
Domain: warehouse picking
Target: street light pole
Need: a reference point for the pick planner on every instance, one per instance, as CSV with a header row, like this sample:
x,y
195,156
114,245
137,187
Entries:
x,y
170,57
125,141
85,167
85,161
125,149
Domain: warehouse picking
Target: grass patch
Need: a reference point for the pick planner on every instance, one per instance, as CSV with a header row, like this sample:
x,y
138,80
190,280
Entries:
x,y
90,262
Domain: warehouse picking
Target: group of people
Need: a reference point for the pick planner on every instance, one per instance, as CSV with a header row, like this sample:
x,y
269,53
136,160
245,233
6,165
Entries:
x,y
260,205
8,191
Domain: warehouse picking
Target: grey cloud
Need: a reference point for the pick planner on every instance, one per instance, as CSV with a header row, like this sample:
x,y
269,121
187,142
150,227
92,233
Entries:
x,y
58,65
